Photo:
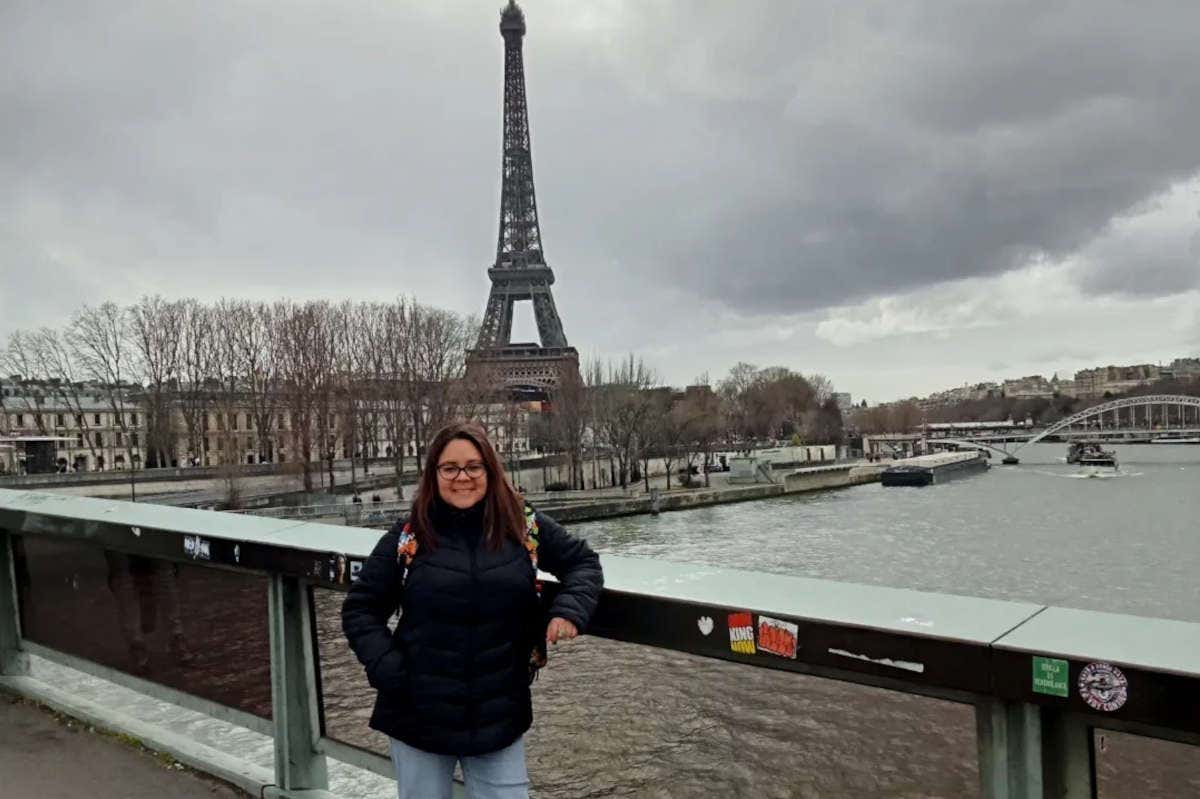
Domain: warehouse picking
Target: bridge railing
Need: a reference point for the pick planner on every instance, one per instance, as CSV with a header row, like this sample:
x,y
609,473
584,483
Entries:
x,y
246,629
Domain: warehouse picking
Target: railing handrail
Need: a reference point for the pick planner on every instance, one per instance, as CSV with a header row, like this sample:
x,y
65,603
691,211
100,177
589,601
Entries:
x,y
136,528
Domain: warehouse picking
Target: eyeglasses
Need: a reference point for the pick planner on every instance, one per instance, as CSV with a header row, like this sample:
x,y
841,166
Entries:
x,y
450,471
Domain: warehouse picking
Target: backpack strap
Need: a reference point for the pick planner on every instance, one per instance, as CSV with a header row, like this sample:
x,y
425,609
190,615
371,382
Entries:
x,y
531,544
406,550
538,655
406,547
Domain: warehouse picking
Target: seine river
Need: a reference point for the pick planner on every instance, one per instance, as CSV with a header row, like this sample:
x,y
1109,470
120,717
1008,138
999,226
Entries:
x,y
615,719
1127,541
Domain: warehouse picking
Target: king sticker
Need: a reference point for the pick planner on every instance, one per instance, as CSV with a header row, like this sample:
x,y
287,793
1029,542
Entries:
x,y
741,633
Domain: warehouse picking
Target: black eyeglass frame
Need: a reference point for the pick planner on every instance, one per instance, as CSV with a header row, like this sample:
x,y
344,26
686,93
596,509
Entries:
x,y
443,470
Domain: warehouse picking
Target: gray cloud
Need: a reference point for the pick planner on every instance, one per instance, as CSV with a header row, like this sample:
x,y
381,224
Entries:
x,y
760,157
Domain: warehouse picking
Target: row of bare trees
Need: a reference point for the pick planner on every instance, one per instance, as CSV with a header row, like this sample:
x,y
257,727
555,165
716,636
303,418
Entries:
x,y
617,409
383,370
315,377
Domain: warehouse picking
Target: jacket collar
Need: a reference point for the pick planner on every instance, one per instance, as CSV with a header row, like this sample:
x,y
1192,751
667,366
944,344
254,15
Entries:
x,y
447,518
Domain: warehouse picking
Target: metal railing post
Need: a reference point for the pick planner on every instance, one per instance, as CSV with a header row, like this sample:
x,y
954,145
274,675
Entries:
x,y
1069,755
1009,736
12,659
294,701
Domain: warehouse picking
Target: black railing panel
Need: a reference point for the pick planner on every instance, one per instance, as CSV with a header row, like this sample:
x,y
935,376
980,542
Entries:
x,y
346,698
1147,768
199,630
627,719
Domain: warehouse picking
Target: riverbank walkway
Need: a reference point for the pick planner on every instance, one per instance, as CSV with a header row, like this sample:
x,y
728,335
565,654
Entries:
x,y
44,756
133,723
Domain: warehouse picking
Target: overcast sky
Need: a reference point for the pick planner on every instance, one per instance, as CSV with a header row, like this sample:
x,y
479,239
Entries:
x,y
902,196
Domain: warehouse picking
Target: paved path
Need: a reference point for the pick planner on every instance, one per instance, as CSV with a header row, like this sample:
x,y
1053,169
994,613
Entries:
x,y
42,757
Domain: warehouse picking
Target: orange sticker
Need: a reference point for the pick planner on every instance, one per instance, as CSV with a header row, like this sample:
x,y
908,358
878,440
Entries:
x,y
741,633
778,637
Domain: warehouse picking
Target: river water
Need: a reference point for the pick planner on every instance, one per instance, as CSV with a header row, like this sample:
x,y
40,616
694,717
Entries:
x,y
614,719
1124,541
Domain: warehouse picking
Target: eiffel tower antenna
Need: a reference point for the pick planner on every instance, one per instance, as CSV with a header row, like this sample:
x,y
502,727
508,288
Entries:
x,y
520,272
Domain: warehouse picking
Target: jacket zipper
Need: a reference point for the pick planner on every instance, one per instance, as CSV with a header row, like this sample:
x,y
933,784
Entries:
x,y
472,708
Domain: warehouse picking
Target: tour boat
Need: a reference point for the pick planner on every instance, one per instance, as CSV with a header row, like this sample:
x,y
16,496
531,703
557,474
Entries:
x,y
1091,455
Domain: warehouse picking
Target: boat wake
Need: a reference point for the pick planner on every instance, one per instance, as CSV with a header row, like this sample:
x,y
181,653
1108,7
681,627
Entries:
x,y
1098,474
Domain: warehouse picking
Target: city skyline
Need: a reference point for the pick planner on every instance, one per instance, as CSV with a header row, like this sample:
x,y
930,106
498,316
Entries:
x,y
898,201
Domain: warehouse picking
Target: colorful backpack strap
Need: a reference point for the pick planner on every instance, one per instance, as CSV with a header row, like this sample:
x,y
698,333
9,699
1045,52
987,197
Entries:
x,y
538,656
406,550
531,544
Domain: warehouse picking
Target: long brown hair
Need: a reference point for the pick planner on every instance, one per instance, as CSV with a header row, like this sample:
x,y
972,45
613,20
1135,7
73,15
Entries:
x,y
503,510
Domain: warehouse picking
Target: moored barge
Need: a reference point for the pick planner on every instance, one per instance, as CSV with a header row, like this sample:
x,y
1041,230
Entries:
x,y
937,468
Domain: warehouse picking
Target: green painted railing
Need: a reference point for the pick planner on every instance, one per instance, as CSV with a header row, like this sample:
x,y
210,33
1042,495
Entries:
x,y
1040,679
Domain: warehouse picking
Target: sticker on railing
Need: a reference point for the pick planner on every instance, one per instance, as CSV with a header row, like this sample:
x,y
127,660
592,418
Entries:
x,y
907,665
197,548
1050,676
705,623
741,633
1103,686
778,637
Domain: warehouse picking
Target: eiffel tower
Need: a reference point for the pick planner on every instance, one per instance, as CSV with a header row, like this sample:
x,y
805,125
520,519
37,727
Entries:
x,y
520,272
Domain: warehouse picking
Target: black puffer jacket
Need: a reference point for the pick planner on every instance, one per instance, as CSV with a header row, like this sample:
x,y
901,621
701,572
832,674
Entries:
x,y
453,677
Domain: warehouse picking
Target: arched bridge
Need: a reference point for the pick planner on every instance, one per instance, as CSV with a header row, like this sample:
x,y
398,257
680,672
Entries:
x,y
1152,414
1147,403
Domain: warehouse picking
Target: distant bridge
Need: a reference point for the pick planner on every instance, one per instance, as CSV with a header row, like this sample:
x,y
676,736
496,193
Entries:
x,y
1091,423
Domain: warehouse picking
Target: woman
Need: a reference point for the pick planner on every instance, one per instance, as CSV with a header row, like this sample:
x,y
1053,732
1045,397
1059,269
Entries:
x,y
453,678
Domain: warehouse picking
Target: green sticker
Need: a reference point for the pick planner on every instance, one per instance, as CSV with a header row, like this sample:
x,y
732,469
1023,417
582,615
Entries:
x,y
1050,676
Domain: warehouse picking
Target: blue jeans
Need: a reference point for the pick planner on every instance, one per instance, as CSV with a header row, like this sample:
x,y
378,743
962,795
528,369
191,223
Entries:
x,y
496,775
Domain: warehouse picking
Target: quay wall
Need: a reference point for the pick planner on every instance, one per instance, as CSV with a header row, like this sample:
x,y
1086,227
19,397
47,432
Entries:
x,y
817,479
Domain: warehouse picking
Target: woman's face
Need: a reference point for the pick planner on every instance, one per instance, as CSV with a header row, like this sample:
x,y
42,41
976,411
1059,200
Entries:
x,y
461,477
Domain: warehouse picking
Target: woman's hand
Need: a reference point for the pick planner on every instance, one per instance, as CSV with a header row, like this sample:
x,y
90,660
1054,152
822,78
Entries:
x,y
560,629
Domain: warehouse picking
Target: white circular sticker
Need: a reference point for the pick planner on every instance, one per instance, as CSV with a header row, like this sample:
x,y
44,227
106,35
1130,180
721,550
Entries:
x,y
1103,686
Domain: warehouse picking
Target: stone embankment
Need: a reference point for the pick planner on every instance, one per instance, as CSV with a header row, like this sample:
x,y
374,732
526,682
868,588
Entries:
x,y
817,478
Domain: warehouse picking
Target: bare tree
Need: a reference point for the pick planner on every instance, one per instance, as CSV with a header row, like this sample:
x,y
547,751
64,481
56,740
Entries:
x,y
257,349
236,353
196,384
822,387
736,392
657,434
432,367
20,360
767,403
824,425
54,352
325,358
570,409
699,419
593,380
389,361
622,406
101,343
363,399
301,361
157,331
